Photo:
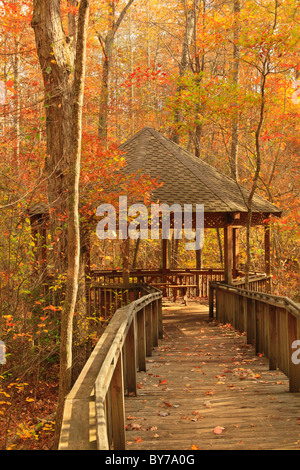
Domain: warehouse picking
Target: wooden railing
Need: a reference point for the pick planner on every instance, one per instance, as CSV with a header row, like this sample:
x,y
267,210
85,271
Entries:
x,y
195,283
94,409
271,322
257,283
103,300
106,293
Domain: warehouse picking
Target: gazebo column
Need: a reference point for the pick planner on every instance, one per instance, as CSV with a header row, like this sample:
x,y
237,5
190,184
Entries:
x,y
267,255
125,261
235,249
164,262
228,254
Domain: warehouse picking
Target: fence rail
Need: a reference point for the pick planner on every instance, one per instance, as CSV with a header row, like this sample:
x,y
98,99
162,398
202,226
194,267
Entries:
x,y
195,282
271,322
94,409
106,293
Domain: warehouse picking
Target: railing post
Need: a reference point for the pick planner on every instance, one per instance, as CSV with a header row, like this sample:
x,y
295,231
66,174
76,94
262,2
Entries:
x,y
211,301
141,340
272,338
294,368
148,322
250,323
118,408
160,319
131,360
258,323
155,323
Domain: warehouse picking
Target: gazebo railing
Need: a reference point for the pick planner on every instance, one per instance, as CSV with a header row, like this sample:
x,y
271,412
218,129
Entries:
x,y
270,322
94,409
195,282
105,291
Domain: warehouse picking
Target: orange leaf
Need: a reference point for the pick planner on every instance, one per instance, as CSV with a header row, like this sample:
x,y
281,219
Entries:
x,y
218,430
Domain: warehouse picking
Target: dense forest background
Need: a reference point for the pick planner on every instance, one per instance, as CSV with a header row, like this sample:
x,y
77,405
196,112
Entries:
x,y
220,78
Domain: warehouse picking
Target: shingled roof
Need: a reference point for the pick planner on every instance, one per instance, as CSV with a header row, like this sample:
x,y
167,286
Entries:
x,y
187,179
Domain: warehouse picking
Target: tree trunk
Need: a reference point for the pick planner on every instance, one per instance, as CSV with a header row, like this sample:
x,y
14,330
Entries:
x,y
256,174
236,73
107,44
56,57
62,60
104,96
184,65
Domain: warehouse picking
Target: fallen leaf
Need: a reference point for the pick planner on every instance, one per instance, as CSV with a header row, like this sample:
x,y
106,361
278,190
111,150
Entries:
x,y
194,447
218,430
136,426
163,413
166,403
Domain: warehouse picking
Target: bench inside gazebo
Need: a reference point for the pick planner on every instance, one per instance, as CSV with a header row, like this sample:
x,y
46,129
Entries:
x,y
189,180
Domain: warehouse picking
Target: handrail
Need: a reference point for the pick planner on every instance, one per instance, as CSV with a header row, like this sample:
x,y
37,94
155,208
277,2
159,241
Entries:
x,y
271,299
253,278
130,336
271,322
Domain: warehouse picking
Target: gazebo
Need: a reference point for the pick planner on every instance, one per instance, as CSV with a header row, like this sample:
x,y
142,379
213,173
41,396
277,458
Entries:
x,y
189,180
186,180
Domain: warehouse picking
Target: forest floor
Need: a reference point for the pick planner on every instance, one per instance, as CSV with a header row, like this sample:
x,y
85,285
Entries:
x,y
27,411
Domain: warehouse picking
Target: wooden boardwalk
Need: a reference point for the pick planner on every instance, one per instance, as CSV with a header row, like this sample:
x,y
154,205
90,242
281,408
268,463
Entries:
x,y
205,387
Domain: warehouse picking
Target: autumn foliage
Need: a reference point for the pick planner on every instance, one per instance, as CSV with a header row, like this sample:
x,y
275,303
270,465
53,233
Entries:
x,y
146,86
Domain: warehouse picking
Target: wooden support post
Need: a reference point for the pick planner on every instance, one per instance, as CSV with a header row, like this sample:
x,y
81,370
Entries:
x,y
258,312
267,256
211,302
217,303
141,343
198,267
272,338
250,321
148,323
164,263
118,408
131,361
294,368
160,319
235,250
228,254
155,323
125,260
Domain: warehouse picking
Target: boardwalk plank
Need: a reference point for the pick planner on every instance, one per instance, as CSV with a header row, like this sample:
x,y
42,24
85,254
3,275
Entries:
x,y
205,375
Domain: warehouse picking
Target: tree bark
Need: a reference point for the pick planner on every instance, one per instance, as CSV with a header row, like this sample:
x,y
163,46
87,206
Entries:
x,y
56,57
185,64
62,59
236,74
107,44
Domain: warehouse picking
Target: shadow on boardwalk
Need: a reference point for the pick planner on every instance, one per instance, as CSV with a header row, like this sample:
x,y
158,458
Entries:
x,y
204,379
